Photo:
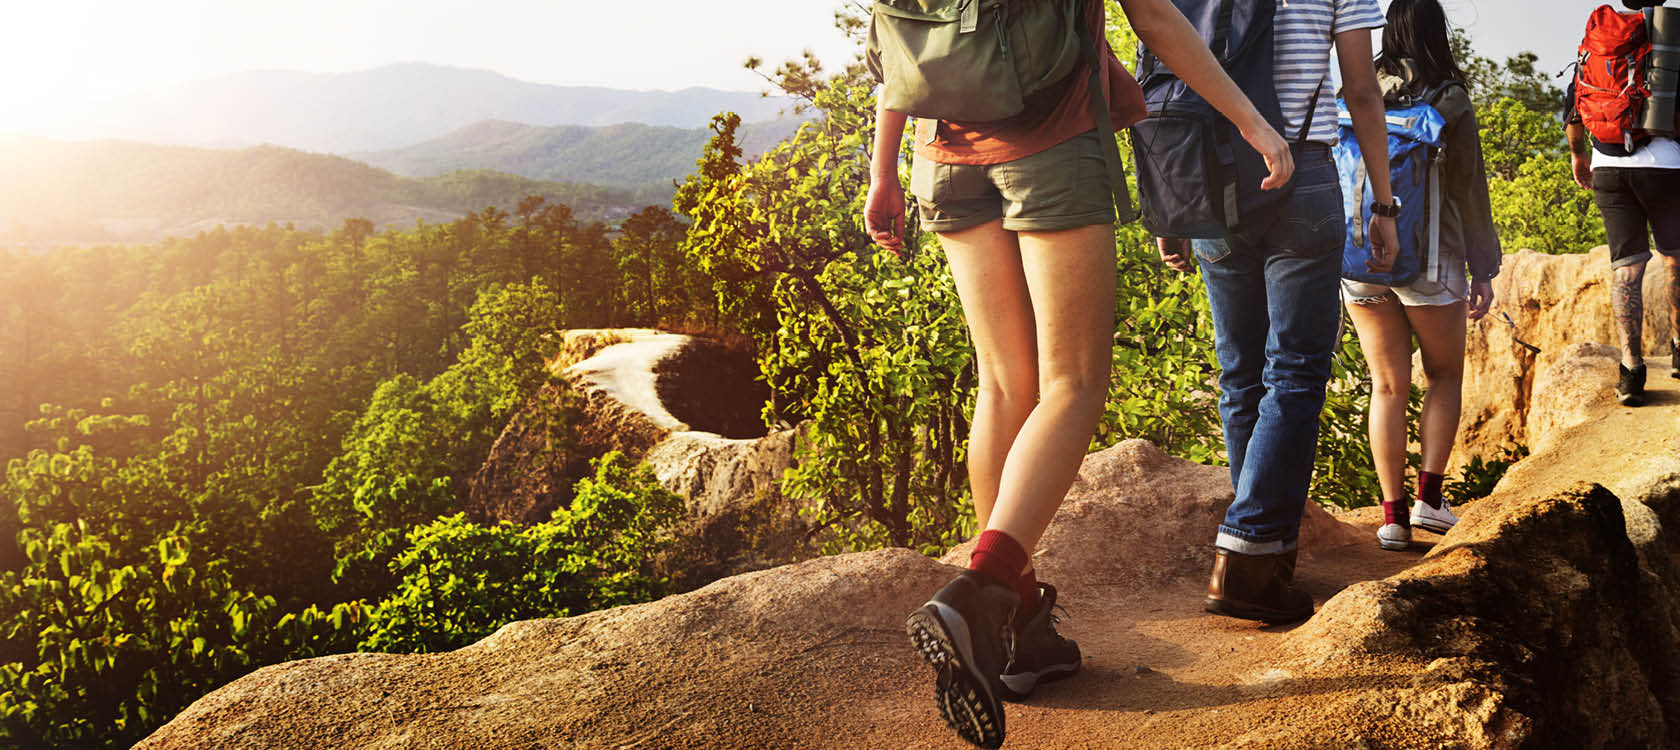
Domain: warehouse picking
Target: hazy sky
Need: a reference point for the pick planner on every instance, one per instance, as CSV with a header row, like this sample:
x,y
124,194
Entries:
x,y
55,53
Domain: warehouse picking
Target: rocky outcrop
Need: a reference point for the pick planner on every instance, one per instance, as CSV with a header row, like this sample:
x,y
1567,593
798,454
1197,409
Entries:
x,y
1553,302
721,667
548,444
1534,627
688,407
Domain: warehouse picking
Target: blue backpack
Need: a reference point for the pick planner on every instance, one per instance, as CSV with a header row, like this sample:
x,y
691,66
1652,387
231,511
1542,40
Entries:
x,y
1197,177
1415,152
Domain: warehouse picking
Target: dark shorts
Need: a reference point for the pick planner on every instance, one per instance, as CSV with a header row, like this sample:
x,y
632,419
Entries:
x,y
1062,187
1638,203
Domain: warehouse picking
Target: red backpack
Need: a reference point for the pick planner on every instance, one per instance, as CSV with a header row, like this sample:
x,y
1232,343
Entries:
x,y
1610,87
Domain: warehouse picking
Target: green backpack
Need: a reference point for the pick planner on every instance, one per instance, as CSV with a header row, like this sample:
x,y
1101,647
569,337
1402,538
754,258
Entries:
x,y
988,60
932,55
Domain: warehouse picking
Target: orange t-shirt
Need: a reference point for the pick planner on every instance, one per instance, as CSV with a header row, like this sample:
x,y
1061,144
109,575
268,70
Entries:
x,y
1019,137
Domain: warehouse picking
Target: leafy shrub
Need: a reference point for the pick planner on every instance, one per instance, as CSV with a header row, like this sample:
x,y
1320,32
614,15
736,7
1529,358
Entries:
x,y
460,581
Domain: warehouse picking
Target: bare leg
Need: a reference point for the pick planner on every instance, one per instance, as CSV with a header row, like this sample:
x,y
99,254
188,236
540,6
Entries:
x,y
1440,333
1071,278
986,263
1627,298
1386,337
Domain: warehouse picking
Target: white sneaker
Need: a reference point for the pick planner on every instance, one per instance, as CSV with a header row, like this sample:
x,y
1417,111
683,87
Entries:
x,y
1394,536
1439,520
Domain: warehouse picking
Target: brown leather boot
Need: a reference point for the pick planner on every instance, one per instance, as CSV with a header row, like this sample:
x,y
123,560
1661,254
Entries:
x,y
1256,587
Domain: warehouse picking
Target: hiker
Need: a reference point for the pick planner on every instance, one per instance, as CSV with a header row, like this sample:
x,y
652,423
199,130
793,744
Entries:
x,y
1416,68
1024,211
1633,171
1273,292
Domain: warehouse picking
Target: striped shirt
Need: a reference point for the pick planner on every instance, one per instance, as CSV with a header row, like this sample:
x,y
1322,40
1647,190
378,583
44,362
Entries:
x,y
1305,31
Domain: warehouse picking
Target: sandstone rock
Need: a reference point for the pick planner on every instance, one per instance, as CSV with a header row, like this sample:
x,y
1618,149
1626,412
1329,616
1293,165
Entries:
x,y
613,678
1575,388
1553,301
1535,622
740,519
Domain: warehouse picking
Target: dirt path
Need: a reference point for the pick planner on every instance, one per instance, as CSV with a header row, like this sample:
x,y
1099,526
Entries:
x,y
1158,671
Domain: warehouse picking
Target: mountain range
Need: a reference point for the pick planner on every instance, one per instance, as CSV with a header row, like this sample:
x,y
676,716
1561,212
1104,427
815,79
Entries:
x,y
412,142
628,155
386,108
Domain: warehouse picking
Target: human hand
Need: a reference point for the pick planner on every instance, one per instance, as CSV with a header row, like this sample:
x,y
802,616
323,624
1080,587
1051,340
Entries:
x,y
1385,244
1275,150
1481,298
1175,253
883,214
1581,166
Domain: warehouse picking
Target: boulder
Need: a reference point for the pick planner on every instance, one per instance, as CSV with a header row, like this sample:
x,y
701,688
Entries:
x,y
1534,627
1576,387
1158,515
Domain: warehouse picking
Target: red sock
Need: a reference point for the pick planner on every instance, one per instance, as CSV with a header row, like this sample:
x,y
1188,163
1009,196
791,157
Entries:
x,y
1396,513
999,558
1429,488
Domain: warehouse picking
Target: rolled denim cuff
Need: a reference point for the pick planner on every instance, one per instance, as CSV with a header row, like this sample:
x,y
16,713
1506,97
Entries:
x,y
1232,543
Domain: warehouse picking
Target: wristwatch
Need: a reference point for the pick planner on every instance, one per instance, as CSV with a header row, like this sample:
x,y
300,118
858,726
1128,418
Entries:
x,y
1391,211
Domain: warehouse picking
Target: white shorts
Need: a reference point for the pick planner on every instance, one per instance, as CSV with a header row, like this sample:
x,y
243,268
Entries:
x,y
1454,286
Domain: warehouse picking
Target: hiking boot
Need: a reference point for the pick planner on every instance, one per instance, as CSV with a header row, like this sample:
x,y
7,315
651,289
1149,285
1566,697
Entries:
x,y
1256,587
1630,387
964,633
1674,358
1041,653
1393,536
1430,518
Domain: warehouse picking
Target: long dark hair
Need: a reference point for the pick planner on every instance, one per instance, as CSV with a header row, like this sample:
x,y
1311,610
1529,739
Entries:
x,y
1417,30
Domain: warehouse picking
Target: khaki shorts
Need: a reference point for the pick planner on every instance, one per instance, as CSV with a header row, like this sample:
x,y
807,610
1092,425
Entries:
x,y
1062,187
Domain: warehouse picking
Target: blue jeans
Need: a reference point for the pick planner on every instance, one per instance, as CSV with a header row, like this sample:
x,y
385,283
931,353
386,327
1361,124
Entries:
x,y
1276,311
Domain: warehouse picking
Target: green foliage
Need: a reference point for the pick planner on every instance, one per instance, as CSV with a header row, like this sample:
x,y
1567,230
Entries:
x,y
102,645
1162,387
407,459
1543,209
1477,478
657,285
255,400
868,347
1344,472
461,581
1536,203
1513,135
1518,78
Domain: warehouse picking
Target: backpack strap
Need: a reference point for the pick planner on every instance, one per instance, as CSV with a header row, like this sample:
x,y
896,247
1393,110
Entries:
x,y
1432,267
1124,211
